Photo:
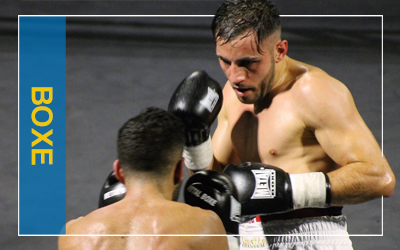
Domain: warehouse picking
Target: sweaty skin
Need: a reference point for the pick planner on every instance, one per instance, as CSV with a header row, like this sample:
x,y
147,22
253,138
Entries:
x,y
145,211
295,116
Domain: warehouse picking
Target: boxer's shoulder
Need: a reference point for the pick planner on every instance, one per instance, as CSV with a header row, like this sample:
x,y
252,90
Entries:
x,y
82,226
85,225
315,81
198,221
316,94
187,210
316,85
74,224
96,222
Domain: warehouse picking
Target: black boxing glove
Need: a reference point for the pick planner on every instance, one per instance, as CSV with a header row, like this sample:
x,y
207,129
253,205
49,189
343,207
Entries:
x,y
197,101
111,191
264,189
214,191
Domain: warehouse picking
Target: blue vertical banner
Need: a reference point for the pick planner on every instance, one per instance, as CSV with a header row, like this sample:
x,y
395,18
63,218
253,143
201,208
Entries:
x,y
42,132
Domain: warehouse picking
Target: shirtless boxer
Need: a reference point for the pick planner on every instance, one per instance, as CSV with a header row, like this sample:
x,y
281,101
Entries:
x,y
285,113
150,165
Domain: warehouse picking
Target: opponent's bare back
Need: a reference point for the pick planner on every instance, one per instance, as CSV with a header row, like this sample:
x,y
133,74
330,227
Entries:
x,y
147,217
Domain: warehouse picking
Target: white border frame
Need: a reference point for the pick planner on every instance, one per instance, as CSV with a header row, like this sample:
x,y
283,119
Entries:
x,y
174,235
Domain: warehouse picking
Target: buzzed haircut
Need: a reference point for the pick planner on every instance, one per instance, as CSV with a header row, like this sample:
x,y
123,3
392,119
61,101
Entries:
x,y
240,18
150,142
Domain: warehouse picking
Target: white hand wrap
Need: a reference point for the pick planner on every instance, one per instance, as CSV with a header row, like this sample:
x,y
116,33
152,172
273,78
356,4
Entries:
x,y
309,190
198,157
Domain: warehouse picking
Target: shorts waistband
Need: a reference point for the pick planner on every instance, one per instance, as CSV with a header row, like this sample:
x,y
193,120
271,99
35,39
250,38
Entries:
x,y
303,213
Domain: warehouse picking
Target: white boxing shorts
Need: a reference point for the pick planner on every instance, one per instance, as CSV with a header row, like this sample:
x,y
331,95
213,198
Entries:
x,y
320,233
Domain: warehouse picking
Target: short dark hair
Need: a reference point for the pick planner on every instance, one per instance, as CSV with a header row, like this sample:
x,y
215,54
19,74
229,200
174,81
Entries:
x,y
236,18
150,142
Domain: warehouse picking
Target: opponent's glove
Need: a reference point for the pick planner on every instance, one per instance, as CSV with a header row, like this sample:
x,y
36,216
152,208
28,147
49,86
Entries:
x,y
197,101
264,189
214,191
111,191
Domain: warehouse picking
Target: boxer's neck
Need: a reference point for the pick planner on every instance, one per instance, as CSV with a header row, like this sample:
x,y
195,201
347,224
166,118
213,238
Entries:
x,y
148,188
281,81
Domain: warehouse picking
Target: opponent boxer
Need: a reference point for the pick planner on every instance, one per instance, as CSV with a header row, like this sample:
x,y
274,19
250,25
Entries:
x,y
150,165
294,116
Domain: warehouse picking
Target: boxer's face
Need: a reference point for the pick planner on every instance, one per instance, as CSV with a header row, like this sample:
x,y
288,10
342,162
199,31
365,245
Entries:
x,y
250,73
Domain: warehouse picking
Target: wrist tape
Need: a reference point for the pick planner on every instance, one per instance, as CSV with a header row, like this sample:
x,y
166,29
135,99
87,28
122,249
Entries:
x,y
310,190
198,157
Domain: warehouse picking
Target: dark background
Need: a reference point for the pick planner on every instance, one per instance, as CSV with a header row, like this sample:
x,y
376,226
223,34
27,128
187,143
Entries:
x,y
117,66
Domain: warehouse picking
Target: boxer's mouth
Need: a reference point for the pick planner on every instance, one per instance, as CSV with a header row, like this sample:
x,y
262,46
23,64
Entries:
x,y
241,89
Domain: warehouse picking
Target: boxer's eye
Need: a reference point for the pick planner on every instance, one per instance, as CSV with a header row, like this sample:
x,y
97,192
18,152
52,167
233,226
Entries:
x,y
224,60
246,63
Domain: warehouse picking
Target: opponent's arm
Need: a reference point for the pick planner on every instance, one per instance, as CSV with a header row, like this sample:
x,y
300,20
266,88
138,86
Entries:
x,y
363,172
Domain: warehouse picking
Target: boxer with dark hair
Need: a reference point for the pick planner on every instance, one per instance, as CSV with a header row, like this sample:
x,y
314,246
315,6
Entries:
x,y
294,117
150,166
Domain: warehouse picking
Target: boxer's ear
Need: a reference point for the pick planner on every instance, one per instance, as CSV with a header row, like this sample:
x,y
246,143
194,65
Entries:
x,y
119,173
178,175
281,49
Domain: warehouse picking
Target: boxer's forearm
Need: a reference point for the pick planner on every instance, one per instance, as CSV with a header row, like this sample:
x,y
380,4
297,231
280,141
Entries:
x,y
360,182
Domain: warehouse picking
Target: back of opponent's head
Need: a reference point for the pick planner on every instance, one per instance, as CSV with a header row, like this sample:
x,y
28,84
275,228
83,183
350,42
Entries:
x,y
111,191
214,191
151,142
238,18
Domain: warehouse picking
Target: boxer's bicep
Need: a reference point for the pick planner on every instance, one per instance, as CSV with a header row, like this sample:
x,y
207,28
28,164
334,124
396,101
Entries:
x,y
346,139
363,173
342,133
328,109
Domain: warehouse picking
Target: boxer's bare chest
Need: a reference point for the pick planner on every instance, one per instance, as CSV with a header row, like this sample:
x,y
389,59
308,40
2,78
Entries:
x,y
276,136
